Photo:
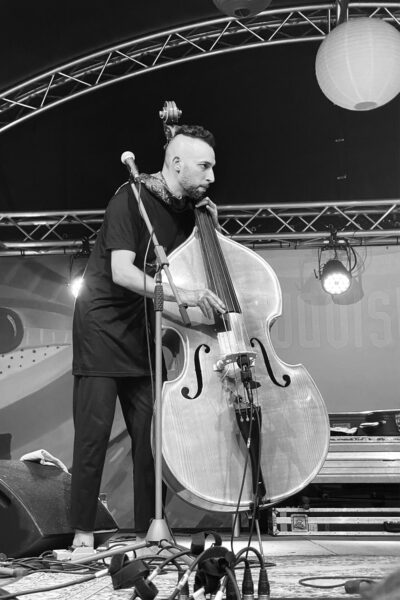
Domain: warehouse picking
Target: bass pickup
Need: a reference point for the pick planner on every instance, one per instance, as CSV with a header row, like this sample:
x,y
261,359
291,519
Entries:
x,y
233,358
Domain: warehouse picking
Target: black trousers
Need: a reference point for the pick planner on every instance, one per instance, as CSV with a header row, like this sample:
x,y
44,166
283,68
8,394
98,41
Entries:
x,y
94,402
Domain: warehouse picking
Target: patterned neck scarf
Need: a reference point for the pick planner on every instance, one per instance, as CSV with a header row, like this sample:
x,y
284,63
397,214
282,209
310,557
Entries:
x,y
157,185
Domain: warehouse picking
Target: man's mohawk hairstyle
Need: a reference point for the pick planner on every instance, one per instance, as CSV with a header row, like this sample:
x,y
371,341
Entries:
x,y
194,131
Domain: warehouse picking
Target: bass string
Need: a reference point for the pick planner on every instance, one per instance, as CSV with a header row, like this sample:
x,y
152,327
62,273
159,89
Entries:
x,y
208,253
238,329
217,268
216,271
221,282
246,410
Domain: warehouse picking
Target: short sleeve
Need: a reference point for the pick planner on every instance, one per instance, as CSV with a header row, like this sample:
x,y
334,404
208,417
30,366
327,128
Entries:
x,y
122,222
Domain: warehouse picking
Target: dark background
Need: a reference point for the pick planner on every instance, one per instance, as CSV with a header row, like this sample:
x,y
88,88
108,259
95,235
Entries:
x,y
277,135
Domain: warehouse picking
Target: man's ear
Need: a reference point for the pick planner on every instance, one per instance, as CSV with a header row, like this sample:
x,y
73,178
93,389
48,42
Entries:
x,y
177,163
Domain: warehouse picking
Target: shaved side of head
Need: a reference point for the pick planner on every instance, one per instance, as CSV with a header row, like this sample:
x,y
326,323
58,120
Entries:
x,y
183,147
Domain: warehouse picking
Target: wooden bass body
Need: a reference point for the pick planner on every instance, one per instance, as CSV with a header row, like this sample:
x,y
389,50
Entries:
x,y
204,454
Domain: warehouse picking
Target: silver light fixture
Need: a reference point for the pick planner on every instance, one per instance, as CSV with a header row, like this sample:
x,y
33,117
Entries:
x,y
335,278
77,266
336,262
241,8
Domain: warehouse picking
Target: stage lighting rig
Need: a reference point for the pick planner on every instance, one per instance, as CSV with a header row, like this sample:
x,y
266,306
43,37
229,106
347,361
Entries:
x,y
77,267
240,9
335,267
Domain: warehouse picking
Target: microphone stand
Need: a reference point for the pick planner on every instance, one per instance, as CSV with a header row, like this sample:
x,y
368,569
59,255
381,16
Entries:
x,y
158,529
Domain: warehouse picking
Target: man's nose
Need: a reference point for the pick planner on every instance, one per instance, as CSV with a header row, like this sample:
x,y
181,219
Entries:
x,y
210,176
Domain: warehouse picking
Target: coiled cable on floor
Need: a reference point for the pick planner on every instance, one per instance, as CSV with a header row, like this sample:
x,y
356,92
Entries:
x,y
352,585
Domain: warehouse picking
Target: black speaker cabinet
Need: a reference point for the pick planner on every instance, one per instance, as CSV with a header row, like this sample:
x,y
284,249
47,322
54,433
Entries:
x,y
35,507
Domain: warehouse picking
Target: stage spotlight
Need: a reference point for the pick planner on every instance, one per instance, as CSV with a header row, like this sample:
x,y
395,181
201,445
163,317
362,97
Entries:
x,y
241,8
77,265
75,285
335,278
335,273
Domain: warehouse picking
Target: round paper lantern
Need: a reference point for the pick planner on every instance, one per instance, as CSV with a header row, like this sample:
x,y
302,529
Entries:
x,y
241,8
358,64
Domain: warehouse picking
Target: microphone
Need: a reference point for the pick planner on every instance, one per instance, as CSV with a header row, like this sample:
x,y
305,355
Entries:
x,y
128,159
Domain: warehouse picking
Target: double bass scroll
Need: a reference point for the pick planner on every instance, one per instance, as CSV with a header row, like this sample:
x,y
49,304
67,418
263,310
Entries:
x,y
170,115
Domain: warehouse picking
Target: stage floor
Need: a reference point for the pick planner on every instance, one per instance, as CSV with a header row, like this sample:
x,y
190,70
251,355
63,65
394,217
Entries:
x,y
293,560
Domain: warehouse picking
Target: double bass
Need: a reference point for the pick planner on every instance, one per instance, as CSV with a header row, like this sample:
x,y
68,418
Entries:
x,y
239,425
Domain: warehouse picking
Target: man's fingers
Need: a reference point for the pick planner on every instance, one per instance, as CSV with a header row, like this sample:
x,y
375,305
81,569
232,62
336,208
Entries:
x,y
205,299
218,304
206,308
209,204
203,202
212,209
211,302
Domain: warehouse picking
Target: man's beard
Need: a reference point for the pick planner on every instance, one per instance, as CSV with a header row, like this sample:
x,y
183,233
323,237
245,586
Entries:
x,y
194,193
191,191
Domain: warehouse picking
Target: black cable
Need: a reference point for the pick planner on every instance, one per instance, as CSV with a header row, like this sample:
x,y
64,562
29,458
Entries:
x,y
121,541
173,558
146,314
187,573
344,579
233,581
259,447
49,566
70,567
50,587
145,299
239,499
253,520
66,565
258,554
240,493
29,559
159,570
255,497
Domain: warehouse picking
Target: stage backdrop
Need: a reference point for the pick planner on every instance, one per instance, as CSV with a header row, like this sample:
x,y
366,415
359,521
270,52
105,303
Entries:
x,y
350,346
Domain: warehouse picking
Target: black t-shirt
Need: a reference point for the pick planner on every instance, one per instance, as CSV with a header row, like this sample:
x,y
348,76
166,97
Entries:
x,y
109,326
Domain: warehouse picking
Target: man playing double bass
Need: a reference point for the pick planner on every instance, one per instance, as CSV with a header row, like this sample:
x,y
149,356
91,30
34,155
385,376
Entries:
x,y
110,356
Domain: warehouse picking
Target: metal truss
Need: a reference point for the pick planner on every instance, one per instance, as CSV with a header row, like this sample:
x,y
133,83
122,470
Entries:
x,y
291,226
174,46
